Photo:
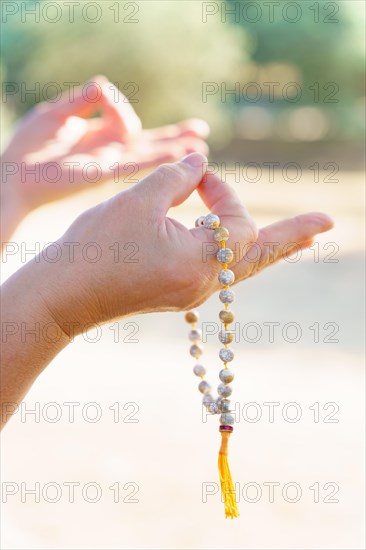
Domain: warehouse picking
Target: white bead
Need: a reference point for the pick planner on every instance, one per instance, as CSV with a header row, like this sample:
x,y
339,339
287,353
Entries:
x,y
204,387
200,221
225,255
226,277
195,335
219,401
226,376
213,408
225,405
227,419
207,399
212,221
199,370
226,355
224,390
195,351
226,296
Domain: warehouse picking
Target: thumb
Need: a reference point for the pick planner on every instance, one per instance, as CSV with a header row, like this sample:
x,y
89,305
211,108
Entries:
x,y
171,184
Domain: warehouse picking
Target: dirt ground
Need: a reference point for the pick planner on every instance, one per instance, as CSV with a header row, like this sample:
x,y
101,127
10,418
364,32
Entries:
x,y
299,473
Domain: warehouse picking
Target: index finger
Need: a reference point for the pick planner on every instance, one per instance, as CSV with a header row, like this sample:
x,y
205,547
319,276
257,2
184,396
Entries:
x,y
82,101
221,199
119,113
98,94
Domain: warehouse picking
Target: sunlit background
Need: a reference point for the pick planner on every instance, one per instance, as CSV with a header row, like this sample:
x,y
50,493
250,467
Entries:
x,y
284,96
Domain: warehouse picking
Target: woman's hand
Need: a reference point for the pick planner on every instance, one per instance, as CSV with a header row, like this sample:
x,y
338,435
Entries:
x,y
125,256
57,149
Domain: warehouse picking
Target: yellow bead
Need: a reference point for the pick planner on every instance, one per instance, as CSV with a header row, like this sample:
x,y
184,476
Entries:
x,y
226,316
226,337
192,316
221,234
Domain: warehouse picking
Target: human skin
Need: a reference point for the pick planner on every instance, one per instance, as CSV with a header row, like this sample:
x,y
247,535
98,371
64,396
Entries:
x,y
171,274
58,141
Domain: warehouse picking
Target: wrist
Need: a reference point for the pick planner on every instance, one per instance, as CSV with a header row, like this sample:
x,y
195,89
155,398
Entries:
x,y
30,337
12,204
66,290
24,306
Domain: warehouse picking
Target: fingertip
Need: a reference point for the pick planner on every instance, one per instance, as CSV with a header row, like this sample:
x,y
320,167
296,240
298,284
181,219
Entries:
x,y
196,160
323,220
211,182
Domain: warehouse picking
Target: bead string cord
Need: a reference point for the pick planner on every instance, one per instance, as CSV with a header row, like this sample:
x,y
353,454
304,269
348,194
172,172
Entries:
x,y
221,404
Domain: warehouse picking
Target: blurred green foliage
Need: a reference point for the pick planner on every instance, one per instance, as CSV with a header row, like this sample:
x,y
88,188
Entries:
x,y
166,56
324,43
170,52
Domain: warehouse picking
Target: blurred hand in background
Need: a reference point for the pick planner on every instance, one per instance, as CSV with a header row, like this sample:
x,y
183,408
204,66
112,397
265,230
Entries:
x,y
61,148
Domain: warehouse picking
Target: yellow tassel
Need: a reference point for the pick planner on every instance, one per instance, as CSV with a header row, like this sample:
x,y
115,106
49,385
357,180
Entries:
x,y
227,485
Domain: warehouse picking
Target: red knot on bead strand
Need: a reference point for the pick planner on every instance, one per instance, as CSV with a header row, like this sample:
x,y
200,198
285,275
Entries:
x,y
223,428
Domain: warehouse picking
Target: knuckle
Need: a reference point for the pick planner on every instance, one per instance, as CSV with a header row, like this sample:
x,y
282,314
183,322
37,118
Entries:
x,y
252,232
245,231
167,172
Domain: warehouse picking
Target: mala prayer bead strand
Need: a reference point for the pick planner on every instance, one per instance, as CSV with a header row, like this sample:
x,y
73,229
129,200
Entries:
x,y
220,404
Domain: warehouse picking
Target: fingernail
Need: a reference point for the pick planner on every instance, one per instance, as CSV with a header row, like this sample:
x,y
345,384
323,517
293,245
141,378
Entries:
x,y
326,221
330,221
196,160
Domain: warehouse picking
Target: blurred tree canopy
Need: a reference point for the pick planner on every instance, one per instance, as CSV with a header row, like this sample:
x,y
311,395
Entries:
x,y
323,42
159,62
162,56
